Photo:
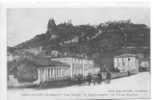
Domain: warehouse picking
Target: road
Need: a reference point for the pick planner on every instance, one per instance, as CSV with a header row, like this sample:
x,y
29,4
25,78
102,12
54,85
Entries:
x,y
135,86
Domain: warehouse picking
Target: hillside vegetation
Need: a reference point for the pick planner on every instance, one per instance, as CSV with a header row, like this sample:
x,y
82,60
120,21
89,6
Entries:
x,y
87,39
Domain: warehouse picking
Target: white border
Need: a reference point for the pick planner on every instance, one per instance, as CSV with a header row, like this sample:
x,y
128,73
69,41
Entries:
x,y
56,3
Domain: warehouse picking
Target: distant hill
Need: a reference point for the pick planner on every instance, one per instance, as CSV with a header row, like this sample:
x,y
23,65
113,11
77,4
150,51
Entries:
x,y
106,37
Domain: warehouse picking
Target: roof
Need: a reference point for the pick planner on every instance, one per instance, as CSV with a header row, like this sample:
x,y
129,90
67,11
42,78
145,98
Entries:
x,y
145,59
42,62
126,55
71,56
131,50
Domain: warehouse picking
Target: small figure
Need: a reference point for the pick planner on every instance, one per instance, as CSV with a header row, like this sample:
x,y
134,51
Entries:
x,y
128,73
108,76
99,77
80,77
94,79
89,78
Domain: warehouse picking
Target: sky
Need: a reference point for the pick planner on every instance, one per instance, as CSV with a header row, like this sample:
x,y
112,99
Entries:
x,y
25,23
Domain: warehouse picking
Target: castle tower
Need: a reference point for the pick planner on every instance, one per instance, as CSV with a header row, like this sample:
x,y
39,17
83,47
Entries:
x,y
51,26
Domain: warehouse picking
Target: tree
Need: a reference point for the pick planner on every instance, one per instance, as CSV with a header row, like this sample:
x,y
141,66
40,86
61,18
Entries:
x,y
110,40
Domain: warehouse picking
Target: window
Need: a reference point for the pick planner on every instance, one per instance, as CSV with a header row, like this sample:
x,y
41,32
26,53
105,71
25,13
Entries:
x,y
128,59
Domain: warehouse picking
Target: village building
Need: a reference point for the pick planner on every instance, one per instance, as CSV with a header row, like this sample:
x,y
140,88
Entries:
x,y
126,63
34,51
145,64
12,81
78,66
52,71
55,53
12,56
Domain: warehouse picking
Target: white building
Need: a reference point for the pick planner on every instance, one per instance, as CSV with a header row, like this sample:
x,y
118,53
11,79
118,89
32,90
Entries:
x,y
34,51
78,65
145,64
11,56
126,62
51,72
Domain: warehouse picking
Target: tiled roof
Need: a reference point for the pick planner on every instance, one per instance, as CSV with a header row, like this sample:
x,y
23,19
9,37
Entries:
x,y
42,62
126,55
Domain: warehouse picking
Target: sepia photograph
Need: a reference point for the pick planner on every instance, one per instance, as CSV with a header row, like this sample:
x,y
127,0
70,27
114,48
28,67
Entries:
x,y
78,53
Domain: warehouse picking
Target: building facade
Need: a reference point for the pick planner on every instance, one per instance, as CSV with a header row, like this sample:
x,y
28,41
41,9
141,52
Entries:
x,y
78,66
126,62
52,72
145,64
